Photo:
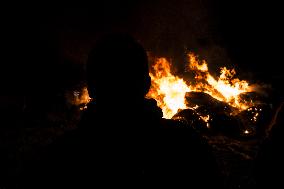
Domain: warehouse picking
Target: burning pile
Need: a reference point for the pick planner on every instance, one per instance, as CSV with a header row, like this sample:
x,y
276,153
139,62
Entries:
x,y
204,96
170,91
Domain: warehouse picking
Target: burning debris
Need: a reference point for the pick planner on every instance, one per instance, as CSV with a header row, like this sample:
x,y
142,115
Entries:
x,y
79,97
170,90
223,103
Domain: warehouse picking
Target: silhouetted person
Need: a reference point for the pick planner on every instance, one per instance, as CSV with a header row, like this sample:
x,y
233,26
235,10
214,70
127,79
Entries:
x,y
120,117
109,144
122,140
141,149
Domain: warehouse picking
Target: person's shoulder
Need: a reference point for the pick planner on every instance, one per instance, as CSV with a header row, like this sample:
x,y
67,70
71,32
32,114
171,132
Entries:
x,y
150,105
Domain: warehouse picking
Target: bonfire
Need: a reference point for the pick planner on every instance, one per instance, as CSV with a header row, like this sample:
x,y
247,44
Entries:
x,y
206,97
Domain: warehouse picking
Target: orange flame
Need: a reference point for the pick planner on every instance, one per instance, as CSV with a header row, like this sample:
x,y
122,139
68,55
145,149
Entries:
x,y
225,88
79,98
169,90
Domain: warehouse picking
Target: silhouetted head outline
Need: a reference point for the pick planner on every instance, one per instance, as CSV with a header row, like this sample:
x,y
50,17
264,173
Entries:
x,y
117,70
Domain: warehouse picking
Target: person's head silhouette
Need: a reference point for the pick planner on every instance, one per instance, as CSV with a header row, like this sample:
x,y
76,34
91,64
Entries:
x,y
117,71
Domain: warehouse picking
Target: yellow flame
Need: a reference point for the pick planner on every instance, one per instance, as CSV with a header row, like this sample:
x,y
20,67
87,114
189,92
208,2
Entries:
x,y
224,88
169,90
194,63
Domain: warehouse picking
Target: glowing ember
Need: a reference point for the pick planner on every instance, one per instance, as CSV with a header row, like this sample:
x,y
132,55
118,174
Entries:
x,y
255,112
246,132
169,90
205,118
255,117
194,107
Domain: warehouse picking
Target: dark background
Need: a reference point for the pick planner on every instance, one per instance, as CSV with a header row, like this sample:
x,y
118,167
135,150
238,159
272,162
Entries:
x,y
38,38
